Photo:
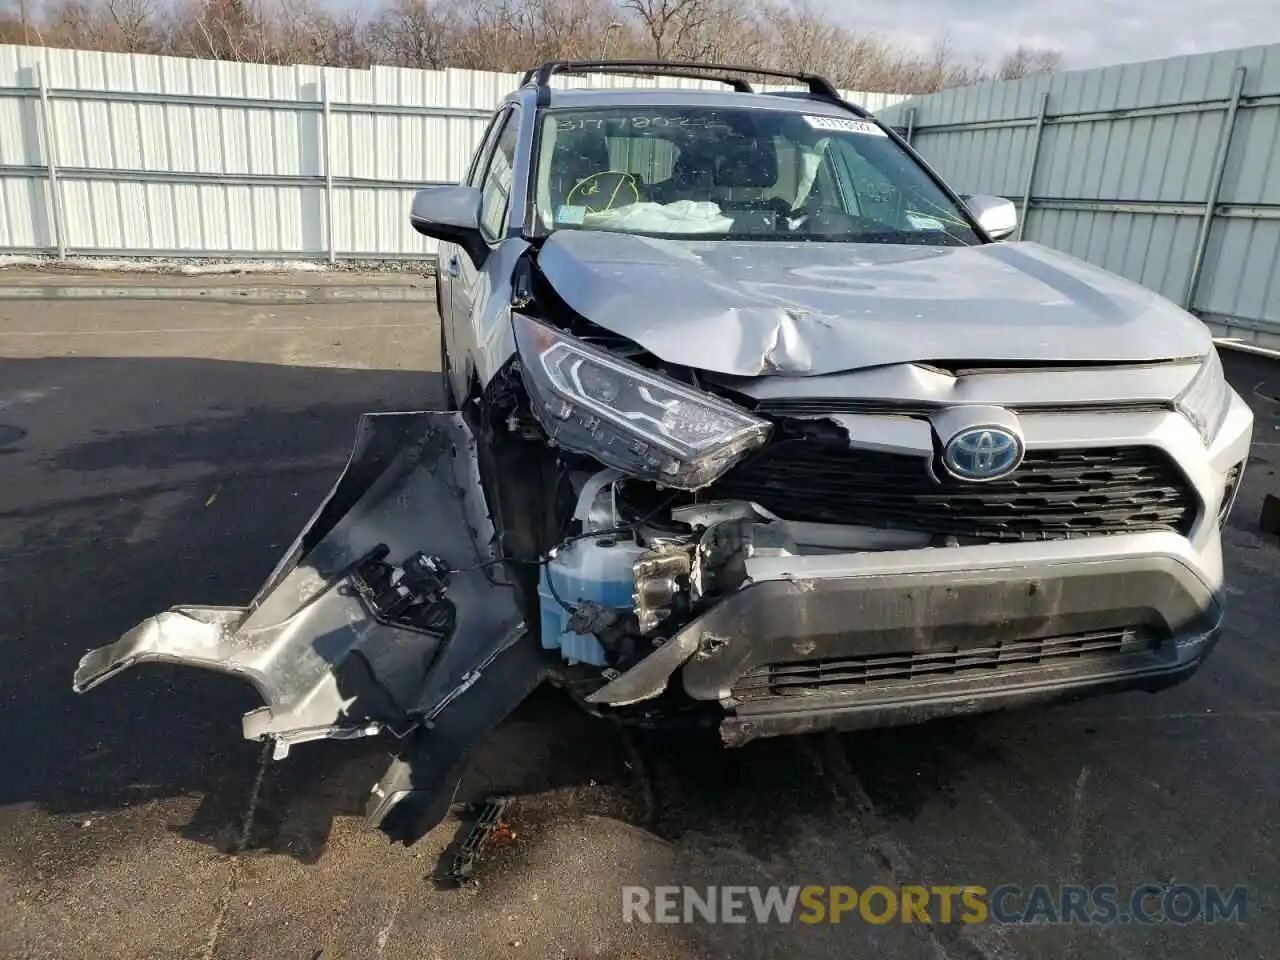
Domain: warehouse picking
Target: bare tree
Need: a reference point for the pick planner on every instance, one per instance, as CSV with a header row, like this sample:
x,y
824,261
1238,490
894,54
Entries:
x,y
74,23
1026,61
414,33
670,24
223,30
508,35
133,24
305,31
18,23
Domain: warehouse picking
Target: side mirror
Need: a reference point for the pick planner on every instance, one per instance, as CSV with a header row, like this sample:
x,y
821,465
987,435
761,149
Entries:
x,y
996,215
452,214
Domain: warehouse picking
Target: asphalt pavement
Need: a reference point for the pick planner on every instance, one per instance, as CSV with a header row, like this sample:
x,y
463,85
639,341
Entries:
x,y
161,441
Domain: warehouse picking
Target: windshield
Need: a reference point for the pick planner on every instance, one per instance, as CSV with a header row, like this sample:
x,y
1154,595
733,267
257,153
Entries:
x,y
736,174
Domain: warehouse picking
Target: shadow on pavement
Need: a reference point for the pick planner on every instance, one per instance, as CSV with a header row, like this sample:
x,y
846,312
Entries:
x,y
215,467
143,483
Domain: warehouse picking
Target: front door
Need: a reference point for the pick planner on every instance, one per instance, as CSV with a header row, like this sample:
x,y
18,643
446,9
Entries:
x,y
472,285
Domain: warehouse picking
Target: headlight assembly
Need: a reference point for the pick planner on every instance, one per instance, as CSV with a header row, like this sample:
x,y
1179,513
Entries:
x,y
627,417
1207,398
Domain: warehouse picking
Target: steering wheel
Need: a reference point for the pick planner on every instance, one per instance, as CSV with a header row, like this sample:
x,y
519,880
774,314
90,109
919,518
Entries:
x,y
604,190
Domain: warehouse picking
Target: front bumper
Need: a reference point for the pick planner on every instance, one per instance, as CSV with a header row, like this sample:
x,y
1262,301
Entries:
x,y
878,639
858,638
917,702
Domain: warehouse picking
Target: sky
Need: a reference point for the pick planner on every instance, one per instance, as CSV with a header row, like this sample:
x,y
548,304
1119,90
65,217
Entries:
x,y
1089,33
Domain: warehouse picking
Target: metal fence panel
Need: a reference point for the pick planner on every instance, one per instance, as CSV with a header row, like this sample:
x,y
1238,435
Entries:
x,y
127,154
1167,172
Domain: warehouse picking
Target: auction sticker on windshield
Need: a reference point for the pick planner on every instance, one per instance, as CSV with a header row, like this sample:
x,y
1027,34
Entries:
x,y
922,222
571,214
844,124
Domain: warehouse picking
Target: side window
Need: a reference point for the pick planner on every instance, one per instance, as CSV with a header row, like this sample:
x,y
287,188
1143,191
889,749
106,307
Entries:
x,y
876,194
476,170
809,177
829,190
496,188
790,171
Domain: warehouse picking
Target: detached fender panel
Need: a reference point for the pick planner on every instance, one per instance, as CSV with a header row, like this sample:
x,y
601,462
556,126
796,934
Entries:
x,y
386,609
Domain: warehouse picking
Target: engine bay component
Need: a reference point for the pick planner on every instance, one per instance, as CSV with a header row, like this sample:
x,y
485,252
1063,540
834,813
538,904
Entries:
x,y
594,571
586,584
614,628
662,585
411,595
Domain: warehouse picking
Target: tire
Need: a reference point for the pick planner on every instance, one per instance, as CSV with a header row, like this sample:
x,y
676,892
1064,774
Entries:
x,y
450,402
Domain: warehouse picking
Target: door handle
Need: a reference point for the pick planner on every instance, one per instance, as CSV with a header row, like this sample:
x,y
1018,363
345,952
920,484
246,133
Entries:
x,y
454,267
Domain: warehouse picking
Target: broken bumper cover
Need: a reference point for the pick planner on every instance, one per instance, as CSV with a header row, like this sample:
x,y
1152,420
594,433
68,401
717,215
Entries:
x,y
865,640
390,612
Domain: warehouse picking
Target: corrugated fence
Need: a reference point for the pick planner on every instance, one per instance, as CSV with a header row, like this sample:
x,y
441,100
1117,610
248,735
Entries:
x,y
1167,172
131,155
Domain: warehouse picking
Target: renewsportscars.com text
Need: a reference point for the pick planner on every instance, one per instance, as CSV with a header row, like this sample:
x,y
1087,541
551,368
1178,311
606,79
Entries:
x,y
969,904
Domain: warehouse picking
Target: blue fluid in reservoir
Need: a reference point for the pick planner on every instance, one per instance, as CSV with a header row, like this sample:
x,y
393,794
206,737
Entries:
x,y
599,570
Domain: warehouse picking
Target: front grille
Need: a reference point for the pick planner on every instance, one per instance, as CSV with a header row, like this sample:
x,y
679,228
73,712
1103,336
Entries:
x,y
826,406
810,677
1053,495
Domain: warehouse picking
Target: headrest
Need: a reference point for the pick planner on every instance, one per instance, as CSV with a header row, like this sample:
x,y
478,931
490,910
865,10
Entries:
x,y
582,149
746,164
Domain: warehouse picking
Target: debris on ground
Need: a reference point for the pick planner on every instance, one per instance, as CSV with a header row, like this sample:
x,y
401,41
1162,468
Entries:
x,y
489,830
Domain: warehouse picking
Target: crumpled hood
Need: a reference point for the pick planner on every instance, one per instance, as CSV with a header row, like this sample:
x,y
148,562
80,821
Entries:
x,y
747,308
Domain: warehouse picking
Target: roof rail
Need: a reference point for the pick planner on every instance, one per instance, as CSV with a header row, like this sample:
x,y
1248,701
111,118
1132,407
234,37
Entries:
x,y
540,76
638,67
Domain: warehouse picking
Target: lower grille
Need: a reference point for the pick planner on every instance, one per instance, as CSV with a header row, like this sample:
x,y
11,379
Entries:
x,y
805,678
1053,495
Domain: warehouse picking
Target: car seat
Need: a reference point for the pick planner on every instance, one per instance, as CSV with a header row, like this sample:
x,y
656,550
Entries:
x,y
577,155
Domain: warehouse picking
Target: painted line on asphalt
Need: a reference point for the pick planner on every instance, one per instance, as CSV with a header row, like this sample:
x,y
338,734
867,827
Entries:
x,y
229,328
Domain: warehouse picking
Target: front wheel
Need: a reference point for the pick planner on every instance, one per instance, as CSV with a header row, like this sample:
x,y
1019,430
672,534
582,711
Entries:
x,y
450,402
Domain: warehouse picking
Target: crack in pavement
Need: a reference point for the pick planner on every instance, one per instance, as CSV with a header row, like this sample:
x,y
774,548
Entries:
x,y
892,858
233,871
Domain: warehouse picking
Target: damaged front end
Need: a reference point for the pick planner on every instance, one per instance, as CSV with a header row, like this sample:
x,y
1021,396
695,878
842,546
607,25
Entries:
x,y
624,528
421,600
809,563
390,612
762,626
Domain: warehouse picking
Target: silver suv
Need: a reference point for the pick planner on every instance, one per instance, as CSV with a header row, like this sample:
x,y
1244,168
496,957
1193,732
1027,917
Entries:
x,y
754,425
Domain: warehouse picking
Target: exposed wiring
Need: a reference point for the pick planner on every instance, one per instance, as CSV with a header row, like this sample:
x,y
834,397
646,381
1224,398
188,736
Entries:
x,y
551,585
380,551
543,561
629,528
495,562
376,553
